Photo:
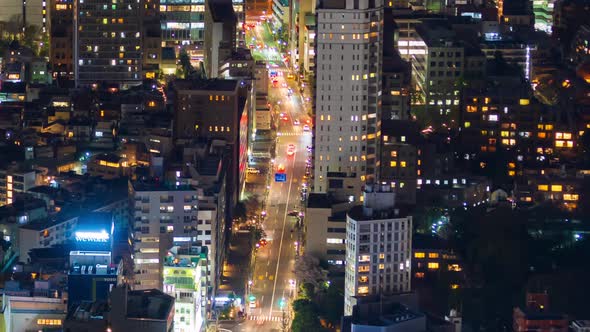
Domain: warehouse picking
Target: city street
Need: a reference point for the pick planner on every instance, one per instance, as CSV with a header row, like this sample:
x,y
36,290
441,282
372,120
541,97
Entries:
x,y
273,282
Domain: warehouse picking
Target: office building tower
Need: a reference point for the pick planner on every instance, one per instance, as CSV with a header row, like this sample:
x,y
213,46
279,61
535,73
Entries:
x,y
220,35
348,93
183,23
378,248
163,215
107,44
61,36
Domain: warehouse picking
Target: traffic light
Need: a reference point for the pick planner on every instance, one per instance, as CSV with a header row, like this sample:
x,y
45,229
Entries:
x,y
282,303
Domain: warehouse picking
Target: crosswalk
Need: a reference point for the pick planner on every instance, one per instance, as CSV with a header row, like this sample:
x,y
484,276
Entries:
x,y
265,318
292,133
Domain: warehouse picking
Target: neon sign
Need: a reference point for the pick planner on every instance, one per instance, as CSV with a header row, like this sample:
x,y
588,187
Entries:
x,y
101,236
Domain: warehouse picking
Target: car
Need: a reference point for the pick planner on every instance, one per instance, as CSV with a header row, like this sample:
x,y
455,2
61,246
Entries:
x,y
252,304
291,150
296,123
263,242
285,118
281,168
306,128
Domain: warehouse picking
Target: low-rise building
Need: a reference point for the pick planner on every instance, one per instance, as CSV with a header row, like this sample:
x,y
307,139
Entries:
x,y
325,229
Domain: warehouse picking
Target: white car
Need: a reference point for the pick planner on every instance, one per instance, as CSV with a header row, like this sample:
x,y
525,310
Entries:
x,y
296,123
306,128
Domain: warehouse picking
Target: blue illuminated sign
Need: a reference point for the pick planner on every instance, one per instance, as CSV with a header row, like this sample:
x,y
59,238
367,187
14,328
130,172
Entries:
x,y
280,177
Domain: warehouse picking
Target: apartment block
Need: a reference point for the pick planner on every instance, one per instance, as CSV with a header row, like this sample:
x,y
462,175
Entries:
x,y
107,43
378,249
162,216
349,63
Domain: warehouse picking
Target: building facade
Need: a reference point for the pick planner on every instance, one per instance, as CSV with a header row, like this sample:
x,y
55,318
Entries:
x,y
107,43
378,249
162,215
348,86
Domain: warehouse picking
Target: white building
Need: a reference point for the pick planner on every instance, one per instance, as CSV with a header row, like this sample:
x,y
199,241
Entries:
x,y
32,313
163,215
14,180
378,249
348,92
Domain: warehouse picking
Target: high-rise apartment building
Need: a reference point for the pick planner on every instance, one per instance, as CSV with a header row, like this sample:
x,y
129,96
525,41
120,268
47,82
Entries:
x,y
378,249
107,43
163,216
348,93
438,67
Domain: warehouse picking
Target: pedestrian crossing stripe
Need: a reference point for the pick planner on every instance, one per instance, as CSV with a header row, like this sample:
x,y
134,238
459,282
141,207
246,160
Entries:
x,y
265,318
289,134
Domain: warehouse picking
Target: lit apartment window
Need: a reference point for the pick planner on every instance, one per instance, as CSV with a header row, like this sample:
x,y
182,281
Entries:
x,y
543,187
403,164
419,255
364,258
393,163
394,154
364,268
363,290
432,255
556,187
433,265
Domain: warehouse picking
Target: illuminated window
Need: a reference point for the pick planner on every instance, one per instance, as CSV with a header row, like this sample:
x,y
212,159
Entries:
x,y
471,108
543,187
455,267
548,127
393,163
419,255
556,187
493,117
381,256
381,266
419,275
524,102
394,154
570,197
403,164
433,255
467,124
364,268
364,258
559,135
363,279
363,290
433,265
334,241
541,134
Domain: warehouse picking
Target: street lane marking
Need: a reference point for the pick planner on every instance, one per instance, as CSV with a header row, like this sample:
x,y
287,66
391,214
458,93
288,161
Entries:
x,y
274,287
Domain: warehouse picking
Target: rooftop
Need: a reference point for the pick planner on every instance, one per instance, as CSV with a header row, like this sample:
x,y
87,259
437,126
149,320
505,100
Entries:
x,y
222,11
206,85
150,304
153,185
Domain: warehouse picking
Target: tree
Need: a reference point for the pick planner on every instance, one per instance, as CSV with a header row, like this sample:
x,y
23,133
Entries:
x,y
332,305
240,212
185,63
309,271
306,318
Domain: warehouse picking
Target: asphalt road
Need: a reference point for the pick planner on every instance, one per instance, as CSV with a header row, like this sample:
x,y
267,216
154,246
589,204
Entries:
x,y
273,283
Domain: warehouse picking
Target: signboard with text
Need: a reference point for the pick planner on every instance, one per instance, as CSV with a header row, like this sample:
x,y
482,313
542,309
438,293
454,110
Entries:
x,y
280,177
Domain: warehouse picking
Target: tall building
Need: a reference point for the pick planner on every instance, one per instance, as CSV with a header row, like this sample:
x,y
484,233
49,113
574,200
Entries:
x,y
348,93
16,179
378,249
220,35
107,44
61,36
163,216
437,68
214,109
